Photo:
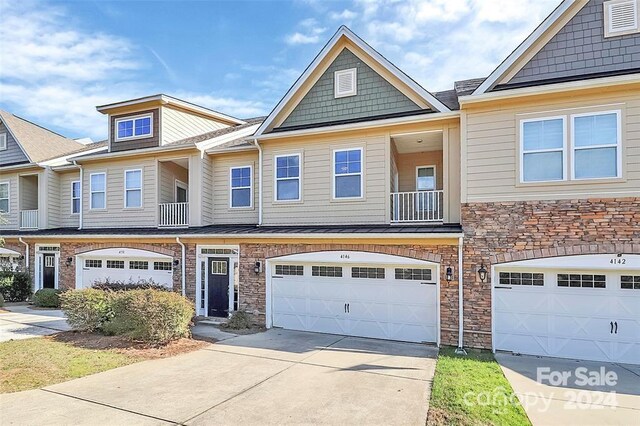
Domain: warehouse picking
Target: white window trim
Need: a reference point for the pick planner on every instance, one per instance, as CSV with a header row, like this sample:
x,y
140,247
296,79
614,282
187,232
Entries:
x,y
334,175
354,73
4,145
435,177
618,144
276,179
180,184
8,183
133,118
91,191
78,198
250,187
124,201
537,151
608,31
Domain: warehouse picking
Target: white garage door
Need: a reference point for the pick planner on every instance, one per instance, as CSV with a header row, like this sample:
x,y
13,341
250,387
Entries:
x,y
395,301
582,307
123,265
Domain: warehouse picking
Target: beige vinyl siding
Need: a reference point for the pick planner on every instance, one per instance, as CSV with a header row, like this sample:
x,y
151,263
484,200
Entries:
x,y
29,186
493,148
451,174
50,217
222,212
177,124
408,163
67,218
115,215
169,173
11,220
317,206
207,190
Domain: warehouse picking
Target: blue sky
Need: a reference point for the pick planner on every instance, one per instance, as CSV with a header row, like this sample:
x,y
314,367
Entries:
x,y
60,59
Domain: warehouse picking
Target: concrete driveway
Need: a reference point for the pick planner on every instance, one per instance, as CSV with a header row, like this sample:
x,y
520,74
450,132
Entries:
x,y
21,322
556,391
276,377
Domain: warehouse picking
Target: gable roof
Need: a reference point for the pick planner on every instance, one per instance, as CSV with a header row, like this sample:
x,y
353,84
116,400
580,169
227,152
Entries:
x,y
37,143
345,33
560,12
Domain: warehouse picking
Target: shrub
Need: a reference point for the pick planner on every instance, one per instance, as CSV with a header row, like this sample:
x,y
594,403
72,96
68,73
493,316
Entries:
x,y
239,320
15,286
47,298
150,315
88,309
131,285
1,301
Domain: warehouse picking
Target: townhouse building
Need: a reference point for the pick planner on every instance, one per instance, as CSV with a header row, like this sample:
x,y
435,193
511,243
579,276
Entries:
x,y
500,214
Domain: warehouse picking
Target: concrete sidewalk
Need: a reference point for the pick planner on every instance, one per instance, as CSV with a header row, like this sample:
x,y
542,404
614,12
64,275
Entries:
x,y
276,377
21,322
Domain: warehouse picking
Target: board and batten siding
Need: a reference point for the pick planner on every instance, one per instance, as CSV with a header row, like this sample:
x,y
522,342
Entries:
x,y
178,125
12,219
115,214
492,171
13,154
317,205
67,218
222,212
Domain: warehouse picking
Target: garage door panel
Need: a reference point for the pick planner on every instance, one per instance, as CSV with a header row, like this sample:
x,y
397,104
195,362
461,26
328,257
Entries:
x,y
516,322
413,314
581,302
514,300
523,343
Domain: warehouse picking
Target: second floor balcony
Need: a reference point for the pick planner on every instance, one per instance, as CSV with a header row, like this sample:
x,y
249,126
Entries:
x,y
173,207
28,188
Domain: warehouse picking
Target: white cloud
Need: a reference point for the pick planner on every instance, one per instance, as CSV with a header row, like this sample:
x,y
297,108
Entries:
x,y
235,107
310,32
344,16
299,38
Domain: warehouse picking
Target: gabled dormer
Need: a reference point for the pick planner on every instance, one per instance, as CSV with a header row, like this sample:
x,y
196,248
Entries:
x,y
159,120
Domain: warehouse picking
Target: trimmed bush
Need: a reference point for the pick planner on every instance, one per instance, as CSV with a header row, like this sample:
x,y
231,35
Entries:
x,y
15,286
150,315
47,298
88,309
131,285
239,320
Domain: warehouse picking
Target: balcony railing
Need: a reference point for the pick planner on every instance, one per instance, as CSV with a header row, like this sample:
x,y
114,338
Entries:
x,y
420,206
29,219
174,215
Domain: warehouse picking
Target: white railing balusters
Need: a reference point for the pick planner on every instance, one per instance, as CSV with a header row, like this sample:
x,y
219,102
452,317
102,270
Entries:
x,y
29,219
417,206
173,214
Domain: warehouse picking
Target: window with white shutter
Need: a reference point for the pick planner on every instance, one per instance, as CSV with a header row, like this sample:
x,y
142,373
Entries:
x,y
345,83
621,17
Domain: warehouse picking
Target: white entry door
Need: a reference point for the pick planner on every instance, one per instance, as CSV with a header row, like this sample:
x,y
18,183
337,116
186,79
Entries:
x,y
580,311
394,302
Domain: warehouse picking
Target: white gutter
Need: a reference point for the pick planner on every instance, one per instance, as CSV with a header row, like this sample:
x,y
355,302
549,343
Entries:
x,y
183,273
257,235
460,350
26,257
255,141
81,216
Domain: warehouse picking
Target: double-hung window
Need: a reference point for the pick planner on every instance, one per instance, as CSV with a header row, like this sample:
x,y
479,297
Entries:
x,y
75,197
288,177
596,145
134,127
4,197
543,150
347,176
240,187
98,190
133,188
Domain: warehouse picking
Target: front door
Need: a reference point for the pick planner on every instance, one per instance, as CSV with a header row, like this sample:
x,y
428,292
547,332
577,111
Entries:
x,y
218,282
49,271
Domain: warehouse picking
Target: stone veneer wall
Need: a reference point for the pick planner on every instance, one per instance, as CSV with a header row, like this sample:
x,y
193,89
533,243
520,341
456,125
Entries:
x,y
510,231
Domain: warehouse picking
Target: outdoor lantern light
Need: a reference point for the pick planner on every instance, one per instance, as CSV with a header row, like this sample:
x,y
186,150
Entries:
x,y
482,272
21,258
69,261
176,262
449,274
258,267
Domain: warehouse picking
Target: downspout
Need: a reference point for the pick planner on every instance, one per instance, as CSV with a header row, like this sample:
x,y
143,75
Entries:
x,y
183,272
460,350
257,144
26,256
80,222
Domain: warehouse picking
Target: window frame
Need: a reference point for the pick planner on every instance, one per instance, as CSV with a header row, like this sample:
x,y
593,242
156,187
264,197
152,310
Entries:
x,y
334,175
133,118
124,201
354,92
79,197
91,191
276,179
5,145
538,151
435,178
618,144
250,187
8,183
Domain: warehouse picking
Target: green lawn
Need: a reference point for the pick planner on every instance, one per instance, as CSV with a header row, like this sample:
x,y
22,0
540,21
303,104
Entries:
x,y
34,363
471,390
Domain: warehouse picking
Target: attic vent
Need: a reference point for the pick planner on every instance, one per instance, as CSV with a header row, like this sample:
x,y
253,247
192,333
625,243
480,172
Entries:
x,y
621,17
345,83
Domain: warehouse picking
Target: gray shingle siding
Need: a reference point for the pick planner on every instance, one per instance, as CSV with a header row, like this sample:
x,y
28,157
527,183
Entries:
x,y
376,96
13,154
580,48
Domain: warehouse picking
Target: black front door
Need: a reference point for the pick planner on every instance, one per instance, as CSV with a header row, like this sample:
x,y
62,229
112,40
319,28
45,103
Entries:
x,y
49,271
218,282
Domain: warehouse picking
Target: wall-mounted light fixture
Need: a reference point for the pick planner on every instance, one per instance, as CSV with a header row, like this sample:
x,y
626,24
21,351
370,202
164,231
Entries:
x,y
257,268
176,263
21,258
482,272
449,274
69,261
